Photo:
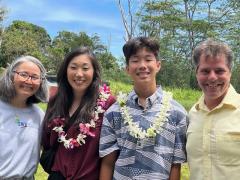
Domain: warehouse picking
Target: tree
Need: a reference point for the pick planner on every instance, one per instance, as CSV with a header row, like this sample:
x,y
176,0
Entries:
x,y
3,12
23,38
66,41
129,17
181,24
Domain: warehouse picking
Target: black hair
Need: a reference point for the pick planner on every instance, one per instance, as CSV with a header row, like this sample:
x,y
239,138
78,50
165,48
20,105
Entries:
x,y
133,45
60,104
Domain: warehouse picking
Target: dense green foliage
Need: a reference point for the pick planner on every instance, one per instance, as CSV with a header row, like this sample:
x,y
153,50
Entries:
x,y
23,38
180,25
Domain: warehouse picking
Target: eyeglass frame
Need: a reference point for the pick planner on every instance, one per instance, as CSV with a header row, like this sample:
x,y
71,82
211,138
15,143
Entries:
x,y
32,77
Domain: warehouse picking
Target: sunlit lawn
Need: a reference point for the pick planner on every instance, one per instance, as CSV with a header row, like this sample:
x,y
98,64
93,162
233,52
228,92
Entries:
x,y
41,175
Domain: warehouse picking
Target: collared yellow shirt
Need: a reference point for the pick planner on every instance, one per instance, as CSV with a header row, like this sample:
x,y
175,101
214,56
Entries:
x,y
213,139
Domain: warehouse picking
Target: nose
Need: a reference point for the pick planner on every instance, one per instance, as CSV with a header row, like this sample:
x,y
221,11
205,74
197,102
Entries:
x,y
29,79
79,73
212,75
142,64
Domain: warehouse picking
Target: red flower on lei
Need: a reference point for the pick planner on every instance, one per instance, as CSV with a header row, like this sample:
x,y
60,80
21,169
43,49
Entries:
x,y
84,128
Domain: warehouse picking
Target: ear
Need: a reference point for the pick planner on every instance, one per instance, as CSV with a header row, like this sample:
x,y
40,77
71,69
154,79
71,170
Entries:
x,y
158,63
196,71
127,69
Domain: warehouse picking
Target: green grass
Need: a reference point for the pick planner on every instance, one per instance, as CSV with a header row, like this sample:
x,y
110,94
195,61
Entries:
x,y
43,106
41,175
184,172
119,86
186,97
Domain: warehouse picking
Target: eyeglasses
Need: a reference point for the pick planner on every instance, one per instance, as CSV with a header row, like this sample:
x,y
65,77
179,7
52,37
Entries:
x,y
25,76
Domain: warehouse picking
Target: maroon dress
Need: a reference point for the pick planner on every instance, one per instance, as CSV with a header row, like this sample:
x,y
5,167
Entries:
x,y
81,162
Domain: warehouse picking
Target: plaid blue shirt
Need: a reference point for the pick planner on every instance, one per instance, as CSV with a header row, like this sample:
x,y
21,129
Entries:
x,y
149,158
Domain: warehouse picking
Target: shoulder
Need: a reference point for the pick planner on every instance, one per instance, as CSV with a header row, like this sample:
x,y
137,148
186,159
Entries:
x,y
38,111
4,105
113,108
194,108
178,112
177,107
113,113
111,100
6,109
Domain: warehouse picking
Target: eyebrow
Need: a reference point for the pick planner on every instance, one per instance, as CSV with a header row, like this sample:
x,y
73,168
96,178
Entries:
x,y
84,64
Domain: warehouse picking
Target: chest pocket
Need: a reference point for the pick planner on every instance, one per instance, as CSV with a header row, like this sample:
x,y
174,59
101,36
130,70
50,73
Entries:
x,y
228,148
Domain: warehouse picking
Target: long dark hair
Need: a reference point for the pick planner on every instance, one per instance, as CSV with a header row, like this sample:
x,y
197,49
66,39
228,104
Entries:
x,y
60,104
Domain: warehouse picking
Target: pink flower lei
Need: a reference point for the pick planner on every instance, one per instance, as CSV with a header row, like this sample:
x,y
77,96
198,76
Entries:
x,y
84,128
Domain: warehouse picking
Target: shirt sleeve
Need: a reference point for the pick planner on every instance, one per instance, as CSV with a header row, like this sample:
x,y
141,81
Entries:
x,y
179,154
108,137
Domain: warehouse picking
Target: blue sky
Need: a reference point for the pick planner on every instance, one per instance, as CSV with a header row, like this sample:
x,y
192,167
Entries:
x,y
91,16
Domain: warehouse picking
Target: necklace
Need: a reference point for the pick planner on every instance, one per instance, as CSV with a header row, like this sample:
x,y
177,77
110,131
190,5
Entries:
x,y
84,128
156,127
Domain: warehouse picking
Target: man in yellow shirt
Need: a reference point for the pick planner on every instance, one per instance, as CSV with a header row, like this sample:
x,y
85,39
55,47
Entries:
x,y
213,136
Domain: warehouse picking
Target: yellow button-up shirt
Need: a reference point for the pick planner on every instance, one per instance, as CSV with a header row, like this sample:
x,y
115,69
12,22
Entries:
x,y
213,139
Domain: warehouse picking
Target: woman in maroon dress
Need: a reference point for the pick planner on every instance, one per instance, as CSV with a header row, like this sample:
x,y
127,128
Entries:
x,y
74,117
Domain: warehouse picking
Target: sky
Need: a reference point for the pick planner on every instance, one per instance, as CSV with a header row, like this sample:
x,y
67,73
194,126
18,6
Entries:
x,y
101,17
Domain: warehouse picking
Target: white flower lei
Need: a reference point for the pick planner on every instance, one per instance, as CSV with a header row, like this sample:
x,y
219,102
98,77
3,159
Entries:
x,y
156,127
84,127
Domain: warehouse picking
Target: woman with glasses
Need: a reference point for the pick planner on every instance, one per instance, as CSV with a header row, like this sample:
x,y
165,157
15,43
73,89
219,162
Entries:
x,y
22,85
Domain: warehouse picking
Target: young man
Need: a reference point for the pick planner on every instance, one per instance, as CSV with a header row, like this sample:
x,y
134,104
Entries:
x,y
143,135
213,136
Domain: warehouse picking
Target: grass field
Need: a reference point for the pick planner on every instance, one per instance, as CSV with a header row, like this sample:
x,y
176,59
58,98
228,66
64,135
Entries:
x,y
186,97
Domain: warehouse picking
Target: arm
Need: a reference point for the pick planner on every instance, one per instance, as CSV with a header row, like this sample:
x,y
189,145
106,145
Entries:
x,y
179,155
107,166
175,172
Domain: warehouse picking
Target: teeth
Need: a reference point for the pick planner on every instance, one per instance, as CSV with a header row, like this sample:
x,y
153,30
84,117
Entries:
x,y
212,85
27,87
142,73
78,81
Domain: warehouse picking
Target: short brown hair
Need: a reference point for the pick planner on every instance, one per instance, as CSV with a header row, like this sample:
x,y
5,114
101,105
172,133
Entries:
x,y
212,48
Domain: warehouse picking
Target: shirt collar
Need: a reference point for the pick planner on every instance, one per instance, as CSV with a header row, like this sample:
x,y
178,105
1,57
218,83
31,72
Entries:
x,y
229,100
150,100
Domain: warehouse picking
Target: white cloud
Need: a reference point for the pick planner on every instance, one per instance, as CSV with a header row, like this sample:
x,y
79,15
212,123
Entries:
x,y
101,17
36,11
71,16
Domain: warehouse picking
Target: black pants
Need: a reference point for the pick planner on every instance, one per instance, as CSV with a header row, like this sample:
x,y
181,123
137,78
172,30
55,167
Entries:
x,y
56,176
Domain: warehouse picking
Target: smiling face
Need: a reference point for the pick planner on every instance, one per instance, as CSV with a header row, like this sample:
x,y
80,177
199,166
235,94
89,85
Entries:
x,y
143,67
213,76
26,87
80,73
